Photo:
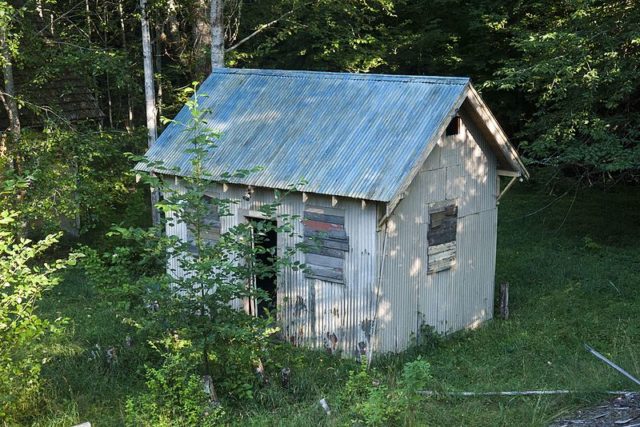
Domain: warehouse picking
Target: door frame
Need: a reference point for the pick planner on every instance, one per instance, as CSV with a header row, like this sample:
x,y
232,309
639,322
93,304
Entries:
x,y
245,216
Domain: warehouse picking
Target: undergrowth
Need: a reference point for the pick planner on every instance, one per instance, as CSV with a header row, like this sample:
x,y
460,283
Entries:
x,y
571,261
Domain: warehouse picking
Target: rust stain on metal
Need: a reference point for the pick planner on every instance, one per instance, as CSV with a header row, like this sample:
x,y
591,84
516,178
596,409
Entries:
x,y
299,306
366,327
331,342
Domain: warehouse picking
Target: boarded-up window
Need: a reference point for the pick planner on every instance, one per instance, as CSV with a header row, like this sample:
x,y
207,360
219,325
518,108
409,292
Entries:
x,y
327,242
210,231
443,224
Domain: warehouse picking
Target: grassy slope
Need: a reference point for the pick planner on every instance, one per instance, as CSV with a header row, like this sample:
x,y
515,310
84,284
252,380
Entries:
x,y
574,269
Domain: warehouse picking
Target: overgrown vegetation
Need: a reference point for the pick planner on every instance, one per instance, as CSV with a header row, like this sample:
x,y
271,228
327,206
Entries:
x,y
559,251
118,342
22,330
77,181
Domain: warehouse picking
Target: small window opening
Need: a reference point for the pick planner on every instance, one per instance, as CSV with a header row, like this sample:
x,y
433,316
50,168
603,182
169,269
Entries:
x,y
454,126
328,243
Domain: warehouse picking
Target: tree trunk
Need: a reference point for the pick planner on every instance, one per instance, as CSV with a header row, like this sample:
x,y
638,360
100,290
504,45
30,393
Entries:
x,y
217,34
8,98
172,21
87,11
123,32
201,37
149,90
158,58
105,37
149,98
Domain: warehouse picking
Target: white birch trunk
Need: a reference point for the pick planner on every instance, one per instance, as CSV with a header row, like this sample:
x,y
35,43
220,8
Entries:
x,y
149,98
158,59
123,34
217,34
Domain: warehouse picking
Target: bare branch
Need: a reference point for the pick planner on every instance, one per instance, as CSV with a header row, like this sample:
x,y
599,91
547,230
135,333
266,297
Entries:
x,y
62,16
34,107
263,27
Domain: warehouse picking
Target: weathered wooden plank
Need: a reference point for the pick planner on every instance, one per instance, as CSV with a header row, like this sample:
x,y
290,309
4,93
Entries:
x,y
320,250
441,248
340,244
324,261
450,254
442,235
442,206
324,210
323,273
438,218
331,219
213,222
333,234
321,226
211,236
441,265
444,227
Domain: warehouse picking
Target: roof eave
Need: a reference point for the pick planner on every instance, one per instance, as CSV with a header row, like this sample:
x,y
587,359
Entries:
x,y
487,121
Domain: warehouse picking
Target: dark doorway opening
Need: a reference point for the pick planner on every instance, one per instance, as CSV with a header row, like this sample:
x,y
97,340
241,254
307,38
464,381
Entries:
x,y
265,236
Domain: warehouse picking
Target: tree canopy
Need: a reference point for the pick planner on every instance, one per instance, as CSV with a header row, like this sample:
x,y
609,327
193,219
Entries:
x,y
561,77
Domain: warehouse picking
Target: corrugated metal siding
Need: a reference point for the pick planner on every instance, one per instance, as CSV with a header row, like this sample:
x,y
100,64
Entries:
x,y
351,135
460,167
312,312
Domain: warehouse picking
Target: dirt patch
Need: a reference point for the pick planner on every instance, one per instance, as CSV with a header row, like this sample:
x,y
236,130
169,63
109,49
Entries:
x,y
622,411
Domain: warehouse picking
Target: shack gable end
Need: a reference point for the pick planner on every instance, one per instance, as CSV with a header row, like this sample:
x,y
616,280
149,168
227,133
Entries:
x,y
460,171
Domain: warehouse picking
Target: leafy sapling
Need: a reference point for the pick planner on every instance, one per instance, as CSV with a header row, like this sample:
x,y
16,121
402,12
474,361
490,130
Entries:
x,y
214,273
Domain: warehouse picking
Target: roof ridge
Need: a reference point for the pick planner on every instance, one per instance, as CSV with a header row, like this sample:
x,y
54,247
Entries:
x,y
332,75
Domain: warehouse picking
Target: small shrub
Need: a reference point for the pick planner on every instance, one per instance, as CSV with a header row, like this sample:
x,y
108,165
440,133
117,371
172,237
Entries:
x,y
372,403
22,282
175,393
427,339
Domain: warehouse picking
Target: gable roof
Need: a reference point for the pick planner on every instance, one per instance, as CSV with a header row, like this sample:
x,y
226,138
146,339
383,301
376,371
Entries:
x,y
351,135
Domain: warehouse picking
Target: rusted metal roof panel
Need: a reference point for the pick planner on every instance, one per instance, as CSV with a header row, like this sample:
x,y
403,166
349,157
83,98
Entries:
x,y
351,135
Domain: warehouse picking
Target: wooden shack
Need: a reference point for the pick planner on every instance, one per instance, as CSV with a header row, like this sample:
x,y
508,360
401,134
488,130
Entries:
x,y
403,185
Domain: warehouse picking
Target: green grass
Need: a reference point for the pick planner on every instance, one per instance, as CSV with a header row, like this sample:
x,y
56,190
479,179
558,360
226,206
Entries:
x,y
81,386
573,263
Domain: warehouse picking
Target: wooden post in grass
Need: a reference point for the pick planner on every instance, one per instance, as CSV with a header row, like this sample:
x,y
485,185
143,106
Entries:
x,y
504,300
285,376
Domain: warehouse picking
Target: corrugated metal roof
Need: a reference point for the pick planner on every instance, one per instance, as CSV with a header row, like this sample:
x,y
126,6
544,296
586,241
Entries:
x,y
351,135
